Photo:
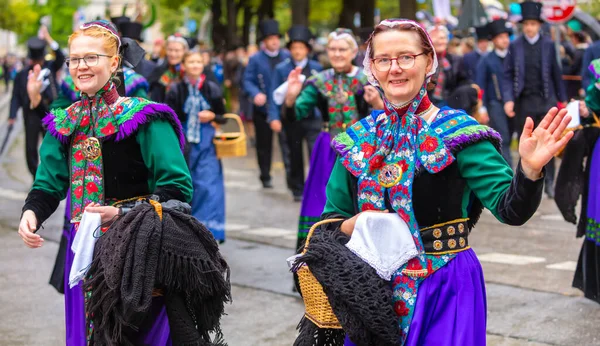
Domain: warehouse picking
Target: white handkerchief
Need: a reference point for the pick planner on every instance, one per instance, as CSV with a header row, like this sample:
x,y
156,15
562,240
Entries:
x,y
279,93
83,247
384,241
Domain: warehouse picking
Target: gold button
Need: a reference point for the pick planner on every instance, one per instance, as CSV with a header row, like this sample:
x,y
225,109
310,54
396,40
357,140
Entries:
x,y
437,245
451,230
462,242
461,227
452,243
437,233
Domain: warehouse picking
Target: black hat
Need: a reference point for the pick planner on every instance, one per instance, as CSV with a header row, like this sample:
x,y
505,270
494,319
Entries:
x,y
498,27
482,32
117,21
464,97
269,27
299,33
131,30
531,10
36,48
192,42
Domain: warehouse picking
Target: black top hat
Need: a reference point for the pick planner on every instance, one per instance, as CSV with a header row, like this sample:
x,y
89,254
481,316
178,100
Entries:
x,y
482,32
117,21
300,33
269,27
36,48
132,30
531,10
498,27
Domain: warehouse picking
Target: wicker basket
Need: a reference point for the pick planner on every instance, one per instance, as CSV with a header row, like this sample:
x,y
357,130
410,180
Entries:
x,y
231,144
316,304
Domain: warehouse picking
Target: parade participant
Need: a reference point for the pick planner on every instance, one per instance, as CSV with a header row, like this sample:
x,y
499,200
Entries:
x,y
307,128
198,103
36,99
532,80
572,65
471,59
578,176
257,84
169,73
433,171
590,54
450,73
85,150
490,74
341,97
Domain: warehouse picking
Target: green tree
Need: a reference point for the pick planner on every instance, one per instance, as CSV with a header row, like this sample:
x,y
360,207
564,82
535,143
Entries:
x,y
17,16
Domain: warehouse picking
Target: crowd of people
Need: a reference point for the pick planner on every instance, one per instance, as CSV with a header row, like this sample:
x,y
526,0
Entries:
x,y
405,127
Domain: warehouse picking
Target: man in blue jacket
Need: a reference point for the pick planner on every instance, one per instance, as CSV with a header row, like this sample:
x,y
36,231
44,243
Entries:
x,y
532,81
257,84
591,53
471,59
490,72
295,131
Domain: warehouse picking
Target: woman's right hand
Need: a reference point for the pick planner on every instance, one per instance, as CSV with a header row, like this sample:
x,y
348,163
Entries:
x,y
27,226
348,225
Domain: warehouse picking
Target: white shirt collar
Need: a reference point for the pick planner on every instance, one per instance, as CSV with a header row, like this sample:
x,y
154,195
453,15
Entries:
x,y
501,53
302,63
532,40
272,54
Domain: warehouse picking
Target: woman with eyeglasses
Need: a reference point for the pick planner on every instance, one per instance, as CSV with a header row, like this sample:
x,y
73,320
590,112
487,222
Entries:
x,y
340,96
104,148
408,186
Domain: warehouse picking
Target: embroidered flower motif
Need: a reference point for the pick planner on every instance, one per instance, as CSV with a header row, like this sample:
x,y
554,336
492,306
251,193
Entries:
x,y
78,192
78,156
368,206
85,121
109,129
119,109
63,130
91,187
429,145
400,308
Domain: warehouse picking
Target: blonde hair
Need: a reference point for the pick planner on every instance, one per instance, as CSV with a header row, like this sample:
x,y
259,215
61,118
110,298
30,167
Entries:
x,y
189,53
111,43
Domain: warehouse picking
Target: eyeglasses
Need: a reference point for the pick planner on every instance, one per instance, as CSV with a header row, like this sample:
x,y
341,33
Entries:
x,y
90,60
338,50
405,62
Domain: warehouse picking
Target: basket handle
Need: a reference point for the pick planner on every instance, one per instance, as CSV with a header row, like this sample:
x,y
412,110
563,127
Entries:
x,y
237,119
314,227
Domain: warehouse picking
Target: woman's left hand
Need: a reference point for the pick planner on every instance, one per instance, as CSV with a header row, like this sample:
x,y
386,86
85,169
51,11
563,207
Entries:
x,y
206,116
538,146
107,213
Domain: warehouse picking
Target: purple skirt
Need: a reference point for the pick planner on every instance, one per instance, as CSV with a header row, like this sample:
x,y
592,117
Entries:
x,y
156,334
321,164
451,308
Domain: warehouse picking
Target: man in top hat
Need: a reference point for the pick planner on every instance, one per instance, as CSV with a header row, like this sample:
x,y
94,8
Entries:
x,y
532,81
133,30
34,90
257,84
308,128
490,73
471,59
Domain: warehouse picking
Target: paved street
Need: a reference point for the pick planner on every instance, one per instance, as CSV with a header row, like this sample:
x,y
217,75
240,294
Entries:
x,y
528,269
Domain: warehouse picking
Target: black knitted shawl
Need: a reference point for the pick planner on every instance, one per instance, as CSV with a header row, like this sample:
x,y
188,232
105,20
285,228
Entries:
x,y
140,253
360,299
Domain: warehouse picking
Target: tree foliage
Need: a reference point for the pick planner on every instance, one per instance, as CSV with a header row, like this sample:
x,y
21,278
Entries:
x,y
17,16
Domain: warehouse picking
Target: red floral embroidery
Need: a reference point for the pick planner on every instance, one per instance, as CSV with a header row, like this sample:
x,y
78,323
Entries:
x,y
368,149
109,129
91,187
328,86
332,110
63,130
377,162
368,206
345,109
414,264
78,192
429,145
78,156
119,109
85,121
401,309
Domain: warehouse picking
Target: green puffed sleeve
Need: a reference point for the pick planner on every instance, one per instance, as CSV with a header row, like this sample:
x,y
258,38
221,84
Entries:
x,y
487,174
306,102
339,193
592,98
52,176
163,157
